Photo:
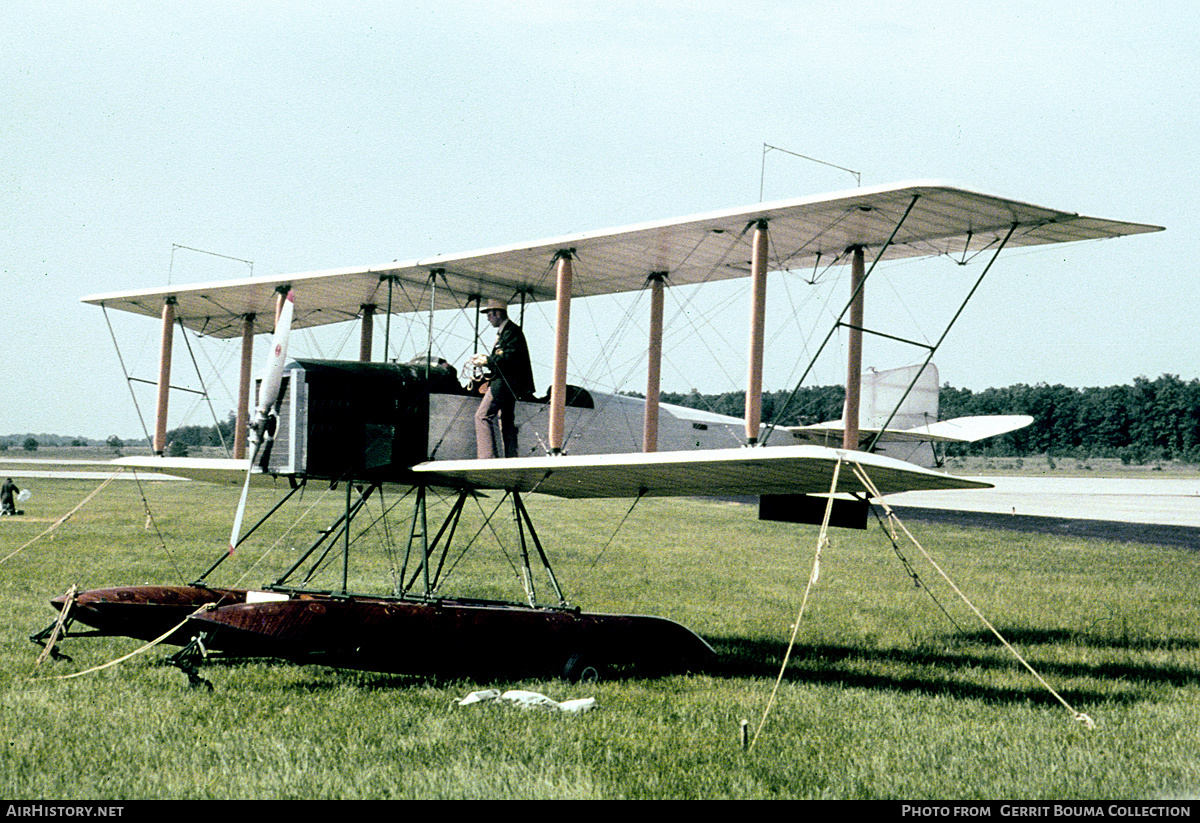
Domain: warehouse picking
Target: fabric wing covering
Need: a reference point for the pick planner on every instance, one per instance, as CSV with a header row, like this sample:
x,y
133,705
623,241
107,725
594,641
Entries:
x,y
934,218
775,470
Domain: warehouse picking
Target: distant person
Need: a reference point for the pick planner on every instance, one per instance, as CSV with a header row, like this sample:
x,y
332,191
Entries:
x,y
8,498
511,380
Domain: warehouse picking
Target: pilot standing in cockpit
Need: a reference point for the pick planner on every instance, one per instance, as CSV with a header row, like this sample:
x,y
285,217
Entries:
x,y
511,380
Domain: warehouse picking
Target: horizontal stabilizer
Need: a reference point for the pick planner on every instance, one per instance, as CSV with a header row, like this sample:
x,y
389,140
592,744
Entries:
x,y
970,429
958,430
782,470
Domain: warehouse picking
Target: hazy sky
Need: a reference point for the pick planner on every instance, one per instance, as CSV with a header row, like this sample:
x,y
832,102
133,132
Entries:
x,y
312,136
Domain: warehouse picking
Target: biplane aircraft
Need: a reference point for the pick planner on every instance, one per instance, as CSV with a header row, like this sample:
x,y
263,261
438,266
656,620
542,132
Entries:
x,y
367,425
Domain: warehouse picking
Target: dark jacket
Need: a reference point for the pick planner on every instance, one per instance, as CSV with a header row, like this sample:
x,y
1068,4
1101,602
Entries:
x,y
510,362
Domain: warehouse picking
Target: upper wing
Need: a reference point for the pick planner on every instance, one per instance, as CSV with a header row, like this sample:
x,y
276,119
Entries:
x,y
716,246
782,470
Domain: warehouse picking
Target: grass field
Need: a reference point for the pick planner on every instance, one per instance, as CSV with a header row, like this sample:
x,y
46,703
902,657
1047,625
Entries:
x,y
886,696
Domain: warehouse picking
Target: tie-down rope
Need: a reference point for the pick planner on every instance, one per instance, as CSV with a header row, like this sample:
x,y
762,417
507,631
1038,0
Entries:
x,y
65,517
823,541
145,648
866,481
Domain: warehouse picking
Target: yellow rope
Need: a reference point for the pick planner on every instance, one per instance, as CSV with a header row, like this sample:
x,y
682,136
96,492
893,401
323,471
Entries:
x,y
822,542
65,517
866,481
135,652
58,625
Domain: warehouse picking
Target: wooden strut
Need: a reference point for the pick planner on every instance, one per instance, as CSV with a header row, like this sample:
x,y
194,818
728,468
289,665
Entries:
x,y
241,426
164,375
562,325
523,514
758,311
526,571
839,322
850,411
653,363
366,332
450,523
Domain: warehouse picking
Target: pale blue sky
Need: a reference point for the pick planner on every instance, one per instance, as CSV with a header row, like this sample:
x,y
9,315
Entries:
x,y
312,136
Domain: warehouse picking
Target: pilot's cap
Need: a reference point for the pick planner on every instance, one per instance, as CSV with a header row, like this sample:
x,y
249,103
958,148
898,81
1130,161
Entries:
x,y
494,305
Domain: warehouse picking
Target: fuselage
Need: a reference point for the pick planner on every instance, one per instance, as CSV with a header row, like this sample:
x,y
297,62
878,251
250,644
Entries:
x,y
376,420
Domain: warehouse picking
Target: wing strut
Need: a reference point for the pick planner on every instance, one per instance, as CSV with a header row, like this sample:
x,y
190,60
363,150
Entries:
x,y
653,362
854,353
758,311
562,325
241,425
164,375
523,515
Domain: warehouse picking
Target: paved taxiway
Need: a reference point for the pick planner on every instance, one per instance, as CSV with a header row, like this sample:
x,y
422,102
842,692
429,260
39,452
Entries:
x,y
1164,511
1165,501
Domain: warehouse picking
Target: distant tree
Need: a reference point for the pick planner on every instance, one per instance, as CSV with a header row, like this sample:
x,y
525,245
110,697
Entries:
x,y
115,443
198,436
177,448
30,445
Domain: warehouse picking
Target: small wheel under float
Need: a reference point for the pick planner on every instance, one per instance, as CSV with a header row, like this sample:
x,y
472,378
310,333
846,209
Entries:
x,y
580,669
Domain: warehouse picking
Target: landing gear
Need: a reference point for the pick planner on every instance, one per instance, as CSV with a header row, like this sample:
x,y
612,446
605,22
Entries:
x,y
580,669
188,660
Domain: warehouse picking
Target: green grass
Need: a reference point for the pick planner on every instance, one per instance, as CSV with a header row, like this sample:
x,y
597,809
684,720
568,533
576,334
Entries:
x,y
885,696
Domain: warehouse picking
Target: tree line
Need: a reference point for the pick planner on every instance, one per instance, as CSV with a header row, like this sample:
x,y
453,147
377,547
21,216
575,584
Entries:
x,y
1145,421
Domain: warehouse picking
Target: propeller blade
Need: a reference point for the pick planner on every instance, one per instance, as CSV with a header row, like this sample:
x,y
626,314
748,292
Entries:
x,y
268,393
273,377
241,509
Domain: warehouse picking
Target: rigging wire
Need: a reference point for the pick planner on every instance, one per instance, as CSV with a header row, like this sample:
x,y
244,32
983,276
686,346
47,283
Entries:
x,y
125,371
641,493
204,389
150,521
487,524
908,567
